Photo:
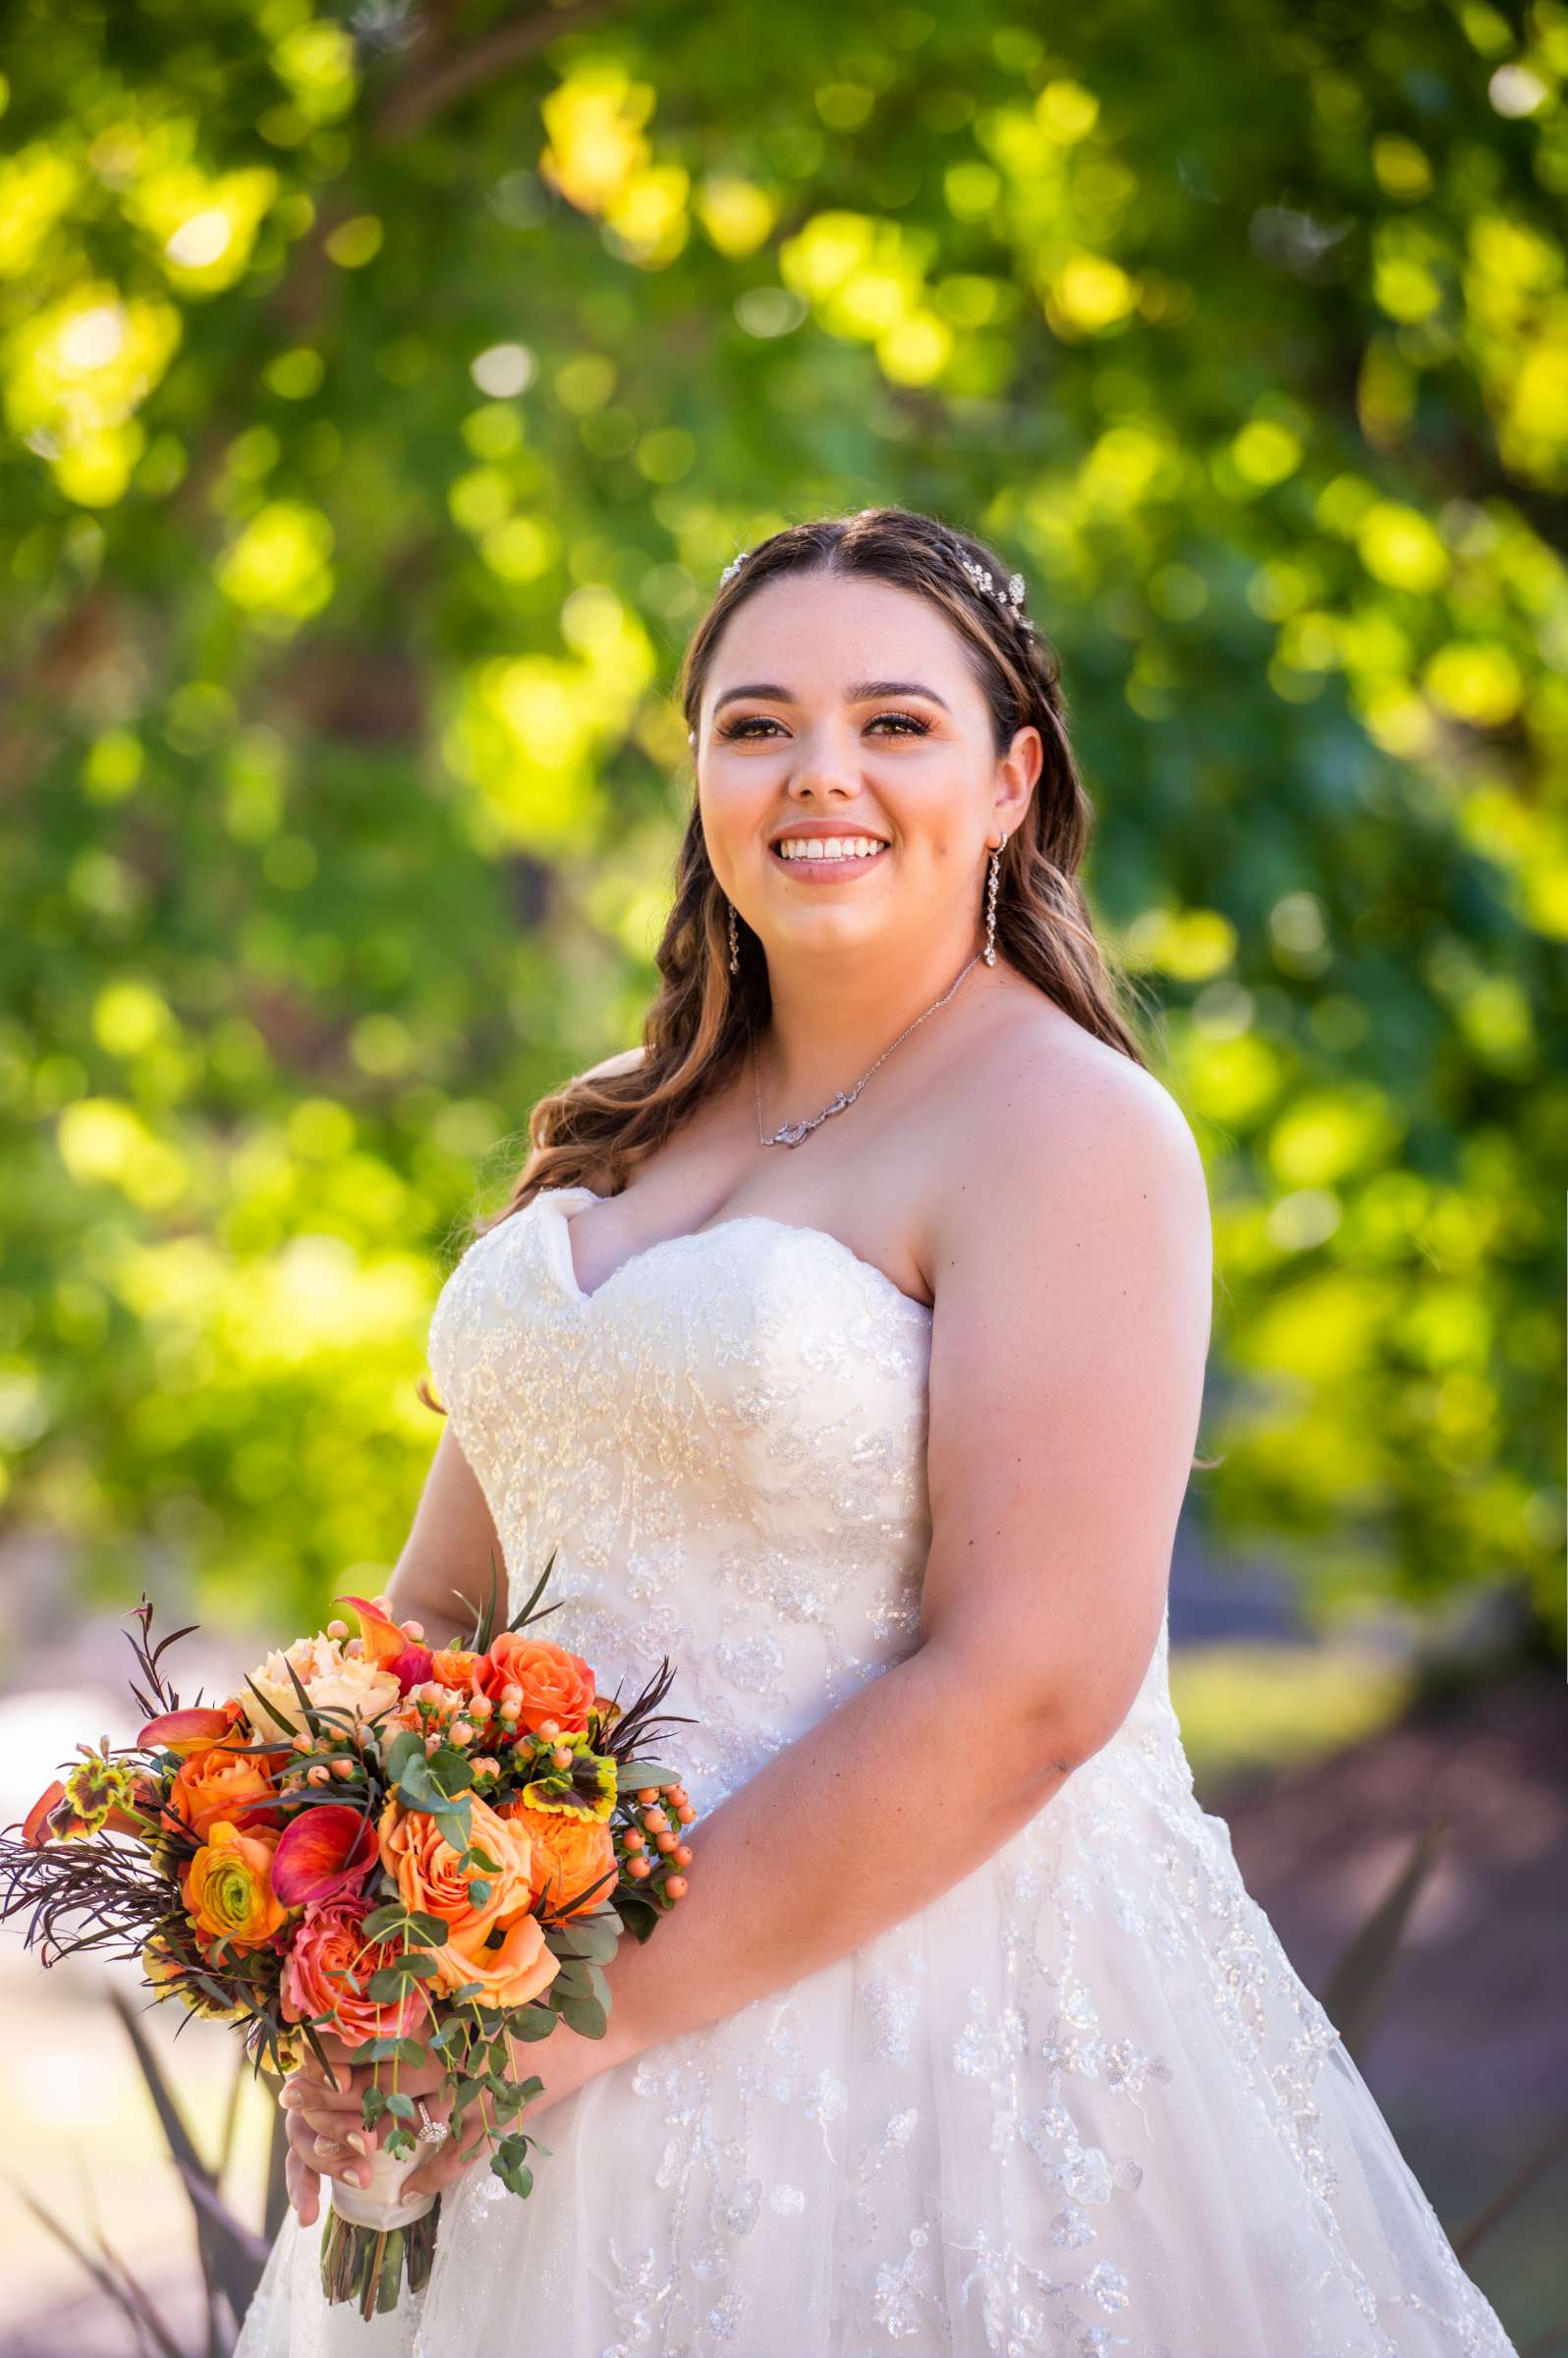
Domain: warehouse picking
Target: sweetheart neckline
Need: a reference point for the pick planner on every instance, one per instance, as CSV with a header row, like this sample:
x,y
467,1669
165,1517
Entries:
x,y
692,1236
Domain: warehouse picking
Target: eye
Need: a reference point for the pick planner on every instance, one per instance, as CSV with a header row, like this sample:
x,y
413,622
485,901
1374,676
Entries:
x,y
911,724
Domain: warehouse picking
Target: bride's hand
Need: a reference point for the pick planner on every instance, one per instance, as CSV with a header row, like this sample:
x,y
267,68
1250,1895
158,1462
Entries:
x,y
564,2062
324,2115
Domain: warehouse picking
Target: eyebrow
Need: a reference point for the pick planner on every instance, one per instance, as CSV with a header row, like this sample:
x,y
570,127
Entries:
x,y
859,692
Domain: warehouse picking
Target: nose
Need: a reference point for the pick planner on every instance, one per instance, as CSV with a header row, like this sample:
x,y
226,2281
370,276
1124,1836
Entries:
x,y
824,771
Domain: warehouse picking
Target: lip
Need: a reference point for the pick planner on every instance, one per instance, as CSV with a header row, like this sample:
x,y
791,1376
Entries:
x,y
822,871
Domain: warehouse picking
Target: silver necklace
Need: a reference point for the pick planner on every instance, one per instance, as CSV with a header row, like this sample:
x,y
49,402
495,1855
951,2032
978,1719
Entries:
x,y
790,1134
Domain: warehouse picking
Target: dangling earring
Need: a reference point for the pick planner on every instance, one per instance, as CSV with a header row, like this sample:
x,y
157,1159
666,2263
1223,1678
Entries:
x,y
735,944
990,902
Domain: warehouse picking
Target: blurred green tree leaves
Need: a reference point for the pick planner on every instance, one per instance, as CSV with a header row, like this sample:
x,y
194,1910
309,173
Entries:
x,y
383,393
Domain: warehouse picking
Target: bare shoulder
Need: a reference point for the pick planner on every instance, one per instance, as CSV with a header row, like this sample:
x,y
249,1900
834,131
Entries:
x,y
1063,1142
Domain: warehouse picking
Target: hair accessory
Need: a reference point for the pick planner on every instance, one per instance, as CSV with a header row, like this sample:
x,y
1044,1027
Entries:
x,y
1012,595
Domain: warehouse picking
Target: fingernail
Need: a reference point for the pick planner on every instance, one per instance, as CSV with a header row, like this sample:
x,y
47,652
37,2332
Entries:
x,y
358,2142
329,2145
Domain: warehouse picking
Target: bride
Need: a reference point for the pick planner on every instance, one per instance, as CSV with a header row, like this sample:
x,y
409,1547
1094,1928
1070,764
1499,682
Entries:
x,y
846,1342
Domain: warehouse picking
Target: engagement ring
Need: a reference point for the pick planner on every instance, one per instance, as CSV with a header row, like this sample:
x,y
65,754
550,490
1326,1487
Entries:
x,y
431,2132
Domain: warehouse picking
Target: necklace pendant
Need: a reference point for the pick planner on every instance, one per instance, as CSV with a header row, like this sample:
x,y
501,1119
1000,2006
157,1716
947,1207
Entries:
x,y
790,1134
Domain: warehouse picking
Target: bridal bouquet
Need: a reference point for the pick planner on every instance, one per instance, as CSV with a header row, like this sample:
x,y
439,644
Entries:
x,y
422,1852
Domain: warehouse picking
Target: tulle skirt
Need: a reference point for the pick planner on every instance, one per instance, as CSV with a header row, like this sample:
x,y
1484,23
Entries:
x,y
1081,2105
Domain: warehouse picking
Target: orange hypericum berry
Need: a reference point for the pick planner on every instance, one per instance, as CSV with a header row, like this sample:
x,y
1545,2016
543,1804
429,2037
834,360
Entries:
x,y
675,1886
664,1842
682,1854
647,1793
685,1813
655,1820
638,1867
635,1841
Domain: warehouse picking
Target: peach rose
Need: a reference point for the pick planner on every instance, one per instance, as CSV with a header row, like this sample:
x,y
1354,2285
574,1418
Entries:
x,y
497,1943
556,1684
228,1887
572,1856
328,1969
223,1782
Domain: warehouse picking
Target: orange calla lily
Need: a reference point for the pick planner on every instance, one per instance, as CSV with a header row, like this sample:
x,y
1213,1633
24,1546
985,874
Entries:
x,y
383,1640
185,1732
387,1645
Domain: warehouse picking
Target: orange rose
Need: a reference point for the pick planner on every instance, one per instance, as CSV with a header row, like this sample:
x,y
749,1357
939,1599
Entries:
x,y
223,1782
572,1855
460,1667
498,1944
228,1887
556,1685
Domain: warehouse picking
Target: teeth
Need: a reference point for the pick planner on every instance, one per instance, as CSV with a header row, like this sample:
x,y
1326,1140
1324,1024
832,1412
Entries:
x,y
829,847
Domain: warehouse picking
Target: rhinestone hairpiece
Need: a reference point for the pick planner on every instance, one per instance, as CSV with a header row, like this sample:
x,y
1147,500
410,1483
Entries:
x,y
982,579
980,575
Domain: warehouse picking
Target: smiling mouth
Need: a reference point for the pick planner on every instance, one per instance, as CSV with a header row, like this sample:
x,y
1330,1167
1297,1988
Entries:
x,y
829,851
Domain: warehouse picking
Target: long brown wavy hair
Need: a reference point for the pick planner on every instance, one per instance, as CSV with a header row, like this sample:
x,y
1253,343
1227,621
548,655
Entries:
x,y
702,1018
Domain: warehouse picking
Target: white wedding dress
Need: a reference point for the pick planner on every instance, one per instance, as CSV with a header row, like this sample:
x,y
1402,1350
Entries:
x,y
1079,2105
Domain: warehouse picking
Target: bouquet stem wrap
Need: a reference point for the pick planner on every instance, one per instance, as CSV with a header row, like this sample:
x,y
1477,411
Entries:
x,y
381,2204
375,2239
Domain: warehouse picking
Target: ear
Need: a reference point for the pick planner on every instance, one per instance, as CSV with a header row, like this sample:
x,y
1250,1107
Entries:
x,y
1017,776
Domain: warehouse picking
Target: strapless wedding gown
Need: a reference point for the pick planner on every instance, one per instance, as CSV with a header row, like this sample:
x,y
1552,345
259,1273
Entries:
x,y
1079,2105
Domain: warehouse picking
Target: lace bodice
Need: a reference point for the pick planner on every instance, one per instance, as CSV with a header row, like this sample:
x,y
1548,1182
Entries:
x,y
727,1442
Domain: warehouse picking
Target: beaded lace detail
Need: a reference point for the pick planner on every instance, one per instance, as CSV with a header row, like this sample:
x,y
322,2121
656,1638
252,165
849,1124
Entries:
x,y
1081,2105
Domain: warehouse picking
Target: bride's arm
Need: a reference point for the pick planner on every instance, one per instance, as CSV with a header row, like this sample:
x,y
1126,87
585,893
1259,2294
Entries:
x,y
452,1559
1072,1283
